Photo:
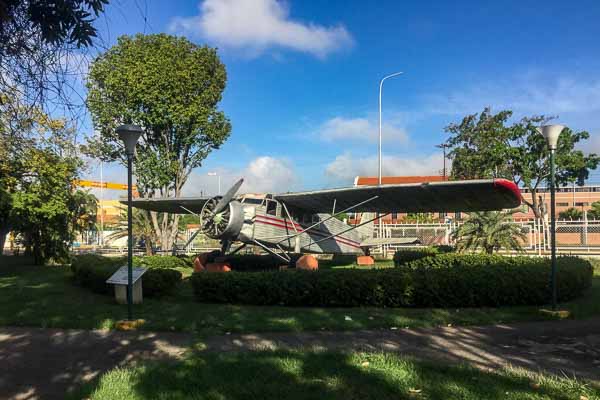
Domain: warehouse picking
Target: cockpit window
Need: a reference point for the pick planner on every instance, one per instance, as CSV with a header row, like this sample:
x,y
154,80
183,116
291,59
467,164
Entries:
x,y
249,200
271,207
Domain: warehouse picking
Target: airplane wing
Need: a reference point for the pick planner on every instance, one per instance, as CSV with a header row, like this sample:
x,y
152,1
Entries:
x,y
179,205
448,196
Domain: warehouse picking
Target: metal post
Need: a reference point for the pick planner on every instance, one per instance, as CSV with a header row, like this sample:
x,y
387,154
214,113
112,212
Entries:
x,y
380,89
553,226
130,241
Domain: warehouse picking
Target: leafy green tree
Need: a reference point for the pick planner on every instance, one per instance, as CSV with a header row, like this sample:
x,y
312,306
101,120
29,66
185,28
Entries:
x,y
485,146
489,231
141,225
419,218
84,211
571,213
38,162
40,206
594,211
41,42
171,87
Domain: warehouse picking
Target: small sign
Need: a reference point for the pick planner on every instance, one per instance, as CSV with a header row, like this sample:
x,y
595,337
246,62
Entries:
x,y
120,277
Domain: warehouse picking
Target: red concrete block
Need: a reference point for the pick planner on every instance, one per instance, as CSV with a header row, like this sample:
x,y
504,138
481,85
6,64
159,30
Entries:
x,y
218,267
307,262
200,262
365,260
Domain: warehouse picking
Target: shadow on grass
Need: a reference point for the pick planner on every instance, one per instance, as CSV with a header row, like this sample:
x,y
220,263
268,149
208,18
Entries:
x,y
319,375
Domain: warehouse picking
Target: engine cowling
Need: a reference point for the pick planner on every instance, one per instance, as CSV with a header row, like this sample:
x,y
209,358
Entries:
x,y
225,224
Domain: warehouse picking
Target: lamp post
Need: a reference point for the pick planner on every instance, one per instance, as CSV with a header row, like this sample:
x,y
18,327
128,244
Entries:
x,y
129,134
218,179
380,89
551,134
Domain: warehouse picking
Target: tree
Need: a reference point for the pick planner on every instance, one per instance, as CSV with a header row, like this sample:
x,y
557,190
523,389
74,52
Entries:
x,y
171,87
485,146
40,43
489,231
38,163
141,225
40,209
571,213
594,211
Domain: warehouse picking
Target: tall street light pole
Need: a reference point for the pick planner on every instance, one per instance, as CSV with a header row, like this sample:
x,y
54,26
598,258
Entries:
x,y
380,90
129,134
551,134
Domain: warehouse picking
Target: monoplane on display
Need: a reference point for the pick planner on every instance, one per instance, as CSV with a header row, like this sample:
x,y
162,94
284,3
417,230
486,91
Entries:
x,y
307,222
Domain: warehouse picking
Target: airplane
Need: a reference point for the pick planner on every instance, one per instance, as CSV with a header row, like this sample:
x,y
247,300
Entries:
x,y
306,222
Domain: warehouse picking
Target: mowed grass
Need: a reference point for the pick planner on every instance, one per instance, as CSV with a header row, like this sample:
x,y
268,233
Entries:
x,y
46,297
324,375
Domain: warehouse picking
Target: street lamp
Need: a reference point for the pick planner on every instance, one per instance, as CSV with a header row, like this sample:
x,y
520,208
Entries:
x,y
218,178
551,134
380,89
129,134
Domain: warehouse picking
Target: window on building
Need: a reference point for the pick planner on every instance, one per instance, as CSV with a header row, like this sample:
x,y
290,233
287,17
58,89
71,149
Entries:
x,y
562,204
581,204
394,217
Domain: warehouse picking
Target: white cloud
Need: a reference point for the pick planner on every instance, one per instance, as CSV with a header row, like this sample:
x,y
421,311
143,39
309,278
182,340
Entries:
x,y
255,25
262,175
359,129
346,167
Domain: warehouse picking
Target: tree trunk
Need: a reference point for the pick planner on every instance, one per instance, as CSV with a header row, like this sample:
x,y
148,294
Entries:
x,y
4,230
148,245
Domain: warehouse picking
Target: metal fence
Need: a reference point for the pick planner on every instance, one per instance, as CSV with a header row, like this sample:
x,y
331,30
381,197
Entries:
x,y
575,237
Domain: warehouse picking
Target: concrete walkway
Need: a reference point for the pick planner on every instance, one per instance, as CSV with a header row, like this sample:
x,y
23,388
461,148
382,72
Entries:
x,y
558,347
45,363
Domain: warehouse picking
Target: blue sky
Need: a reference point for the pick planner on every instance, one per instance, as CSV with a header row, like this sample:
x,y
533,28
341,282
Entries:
x,y
303,76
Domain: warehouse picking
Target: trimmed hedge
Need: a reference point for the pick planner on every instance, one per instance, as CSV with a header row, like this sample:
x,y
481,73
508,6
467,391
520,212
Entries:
x,y
409,254
475,280
447,280
92,271
336,288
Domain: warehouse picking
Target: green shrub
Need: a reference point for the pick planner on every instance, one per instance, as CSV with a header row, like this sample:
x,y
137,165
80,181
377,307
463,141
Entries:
x,y
447,280
475,280
92,271
163,262
339,288
409,254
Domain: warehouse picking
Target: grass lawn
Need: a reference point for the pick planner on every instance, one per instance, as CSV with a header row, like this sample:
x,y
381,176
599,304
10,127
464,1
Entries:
x,y
46,297
324,375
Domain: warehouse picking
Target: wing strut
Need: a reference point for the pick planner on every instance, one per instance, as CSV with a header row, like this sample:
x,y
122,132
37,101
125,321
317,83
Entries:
x,y
348,230
328,218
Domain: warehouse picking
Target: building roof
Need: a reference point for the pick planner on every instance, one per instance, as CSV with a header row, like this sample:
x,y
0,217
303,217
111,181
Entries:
x,y
391,180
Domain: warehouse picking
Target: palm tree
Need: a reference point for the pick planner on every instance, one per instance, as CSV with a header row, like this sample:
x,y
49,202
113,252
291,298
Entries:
x,y
141,226
489,231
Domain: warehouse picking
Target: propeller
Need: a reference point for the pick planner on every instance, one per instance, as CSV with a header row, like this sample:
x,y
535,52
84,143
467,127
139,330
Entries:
x,y
216,214
228,196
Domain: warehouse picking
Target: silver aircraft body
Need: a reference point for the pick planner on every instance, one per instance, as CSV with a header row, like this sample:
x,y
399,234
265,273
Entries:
x,y
308,222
